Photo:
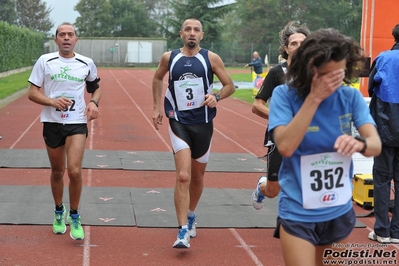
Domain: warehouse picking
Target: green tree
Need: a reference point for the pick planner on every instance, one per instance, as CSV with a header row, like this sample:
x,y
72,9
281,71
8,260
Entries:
x,y
158,11
256,27
132,19
207,11
7,11
34,15
118,18
95,18
343,15
258,22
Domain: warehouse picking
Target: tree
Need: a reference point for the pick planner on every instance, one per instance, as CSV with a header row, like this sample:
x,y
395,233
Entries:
x,y
206,11
7,11
95,18
132,19
259,21
256,27
343,15
158,11
34,15
118,18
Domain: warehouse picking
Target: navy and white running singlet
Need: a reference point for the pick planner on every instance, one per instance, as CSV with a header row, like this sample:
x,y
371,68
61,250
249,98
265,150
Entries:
x,y
190,79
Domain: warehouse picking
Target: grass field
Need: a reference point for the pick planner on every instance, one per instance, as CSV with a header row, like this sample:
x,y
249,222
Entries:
x,y
13,83
19,81
242,94
245,95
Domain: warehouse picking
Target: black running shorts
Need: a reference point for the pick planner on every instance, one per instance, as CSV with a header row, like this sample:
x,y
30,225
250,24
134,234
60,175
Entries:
x,y
54,134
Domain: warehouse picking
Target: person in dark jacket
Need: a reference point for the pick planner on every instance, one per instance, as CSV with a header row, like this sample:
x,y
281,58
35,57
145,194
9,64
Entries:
x,y
395,34
256,63
384,107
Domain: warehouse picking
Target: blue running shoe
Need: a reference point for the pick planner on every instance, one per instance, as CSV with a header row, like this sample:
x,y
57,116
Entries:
x,y
183,239
192,232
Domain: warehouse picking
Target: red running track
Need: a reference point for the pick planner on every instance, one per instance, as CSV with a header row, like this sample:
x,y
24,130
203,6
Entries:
x,y
125,124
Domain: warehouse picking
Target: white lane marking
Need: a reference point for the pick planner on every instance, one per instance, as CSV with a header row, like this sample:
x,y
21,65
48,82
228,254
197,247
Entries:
x,y
23,133
141,111
86,243
246,247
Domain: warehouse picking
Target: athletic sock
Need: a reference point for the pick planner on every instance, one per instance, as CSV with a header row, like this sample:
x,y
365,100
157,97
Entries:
x,y
59,207
72,211
183,227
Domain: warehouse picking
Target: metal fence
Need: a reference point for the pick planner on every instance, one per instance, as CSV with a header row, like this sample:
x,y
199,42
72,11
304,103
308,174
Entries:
x,y
145,51
234,53
119,51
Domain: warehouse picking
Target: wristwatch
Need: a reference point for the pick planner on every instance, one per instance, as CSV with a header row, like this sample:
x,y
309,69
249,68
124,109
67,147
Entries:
x,y
217,97
95,102
360,138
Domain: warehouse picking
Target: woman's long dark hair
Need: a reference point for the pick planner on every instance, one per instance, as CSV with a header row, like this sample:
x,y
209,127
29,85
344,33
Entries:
x,y
319,48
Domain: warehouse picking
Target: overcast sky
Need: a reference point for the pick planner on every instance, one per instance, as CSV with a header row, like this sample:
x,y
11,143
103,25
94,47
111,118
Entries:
x,y
63,11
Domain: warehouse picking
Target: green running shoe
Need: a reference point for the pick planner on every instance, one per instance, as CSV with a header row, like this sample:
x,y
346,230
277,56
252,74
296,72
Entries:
x,y
59,226
77,232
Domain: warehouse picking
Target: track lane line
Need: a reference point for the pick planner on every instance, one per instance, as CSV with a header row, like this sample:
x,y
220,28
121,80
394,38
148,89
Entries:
x,y
141,111
23,133
247,249
86,243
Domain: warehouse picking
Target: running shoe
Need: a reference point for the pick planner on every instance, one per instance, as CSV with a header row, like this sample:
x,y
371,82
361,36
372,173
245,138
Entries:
x,y
258,200
394,240
383,240
59,226
183,239
192,232
77,232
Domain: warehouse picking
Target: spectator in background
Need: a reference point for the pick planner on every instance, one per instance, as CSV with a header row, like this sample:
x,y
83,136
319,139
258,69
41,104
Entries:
x,y
256,63
372,84
384,107
291,37
310,121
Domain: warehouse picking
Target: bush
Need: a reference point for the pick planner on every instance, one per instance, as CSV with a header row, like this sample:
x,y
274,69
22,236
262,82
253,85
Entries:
x,y
19,47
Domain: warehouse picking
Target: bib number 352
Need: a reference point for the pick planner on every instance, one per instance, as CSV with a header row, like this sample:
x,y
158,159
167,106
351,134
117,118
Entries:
x,y
327,178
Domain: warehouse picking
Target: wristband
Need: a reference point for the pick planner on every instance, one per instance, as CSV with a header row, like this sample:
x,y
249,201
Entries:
x,y
95,102
360,138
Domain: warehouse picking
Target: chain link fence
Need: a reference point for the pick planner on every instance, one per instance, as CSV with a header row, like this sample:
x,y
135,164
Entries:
x,y
235,53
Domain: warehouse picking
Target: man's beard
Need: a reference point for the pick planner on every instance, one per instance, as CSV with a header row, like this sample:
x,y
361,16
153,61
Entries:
x,y
191,44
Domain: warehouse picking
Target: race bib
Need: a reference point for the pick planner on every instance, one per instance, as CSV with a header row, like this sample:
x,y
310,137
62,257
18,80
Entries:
x,y
71,112
325,180
189,93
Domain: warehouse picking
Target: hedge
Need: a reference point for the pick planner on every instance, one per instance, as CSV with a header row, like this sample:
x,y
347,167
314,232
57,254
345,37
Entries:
x,y
19,47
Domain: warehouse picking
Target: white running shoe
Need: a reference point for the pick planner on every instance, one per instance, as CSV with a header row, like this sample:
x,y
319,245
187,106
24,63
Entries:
x,y
183,239
394,240
192,232
383,240
258,200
